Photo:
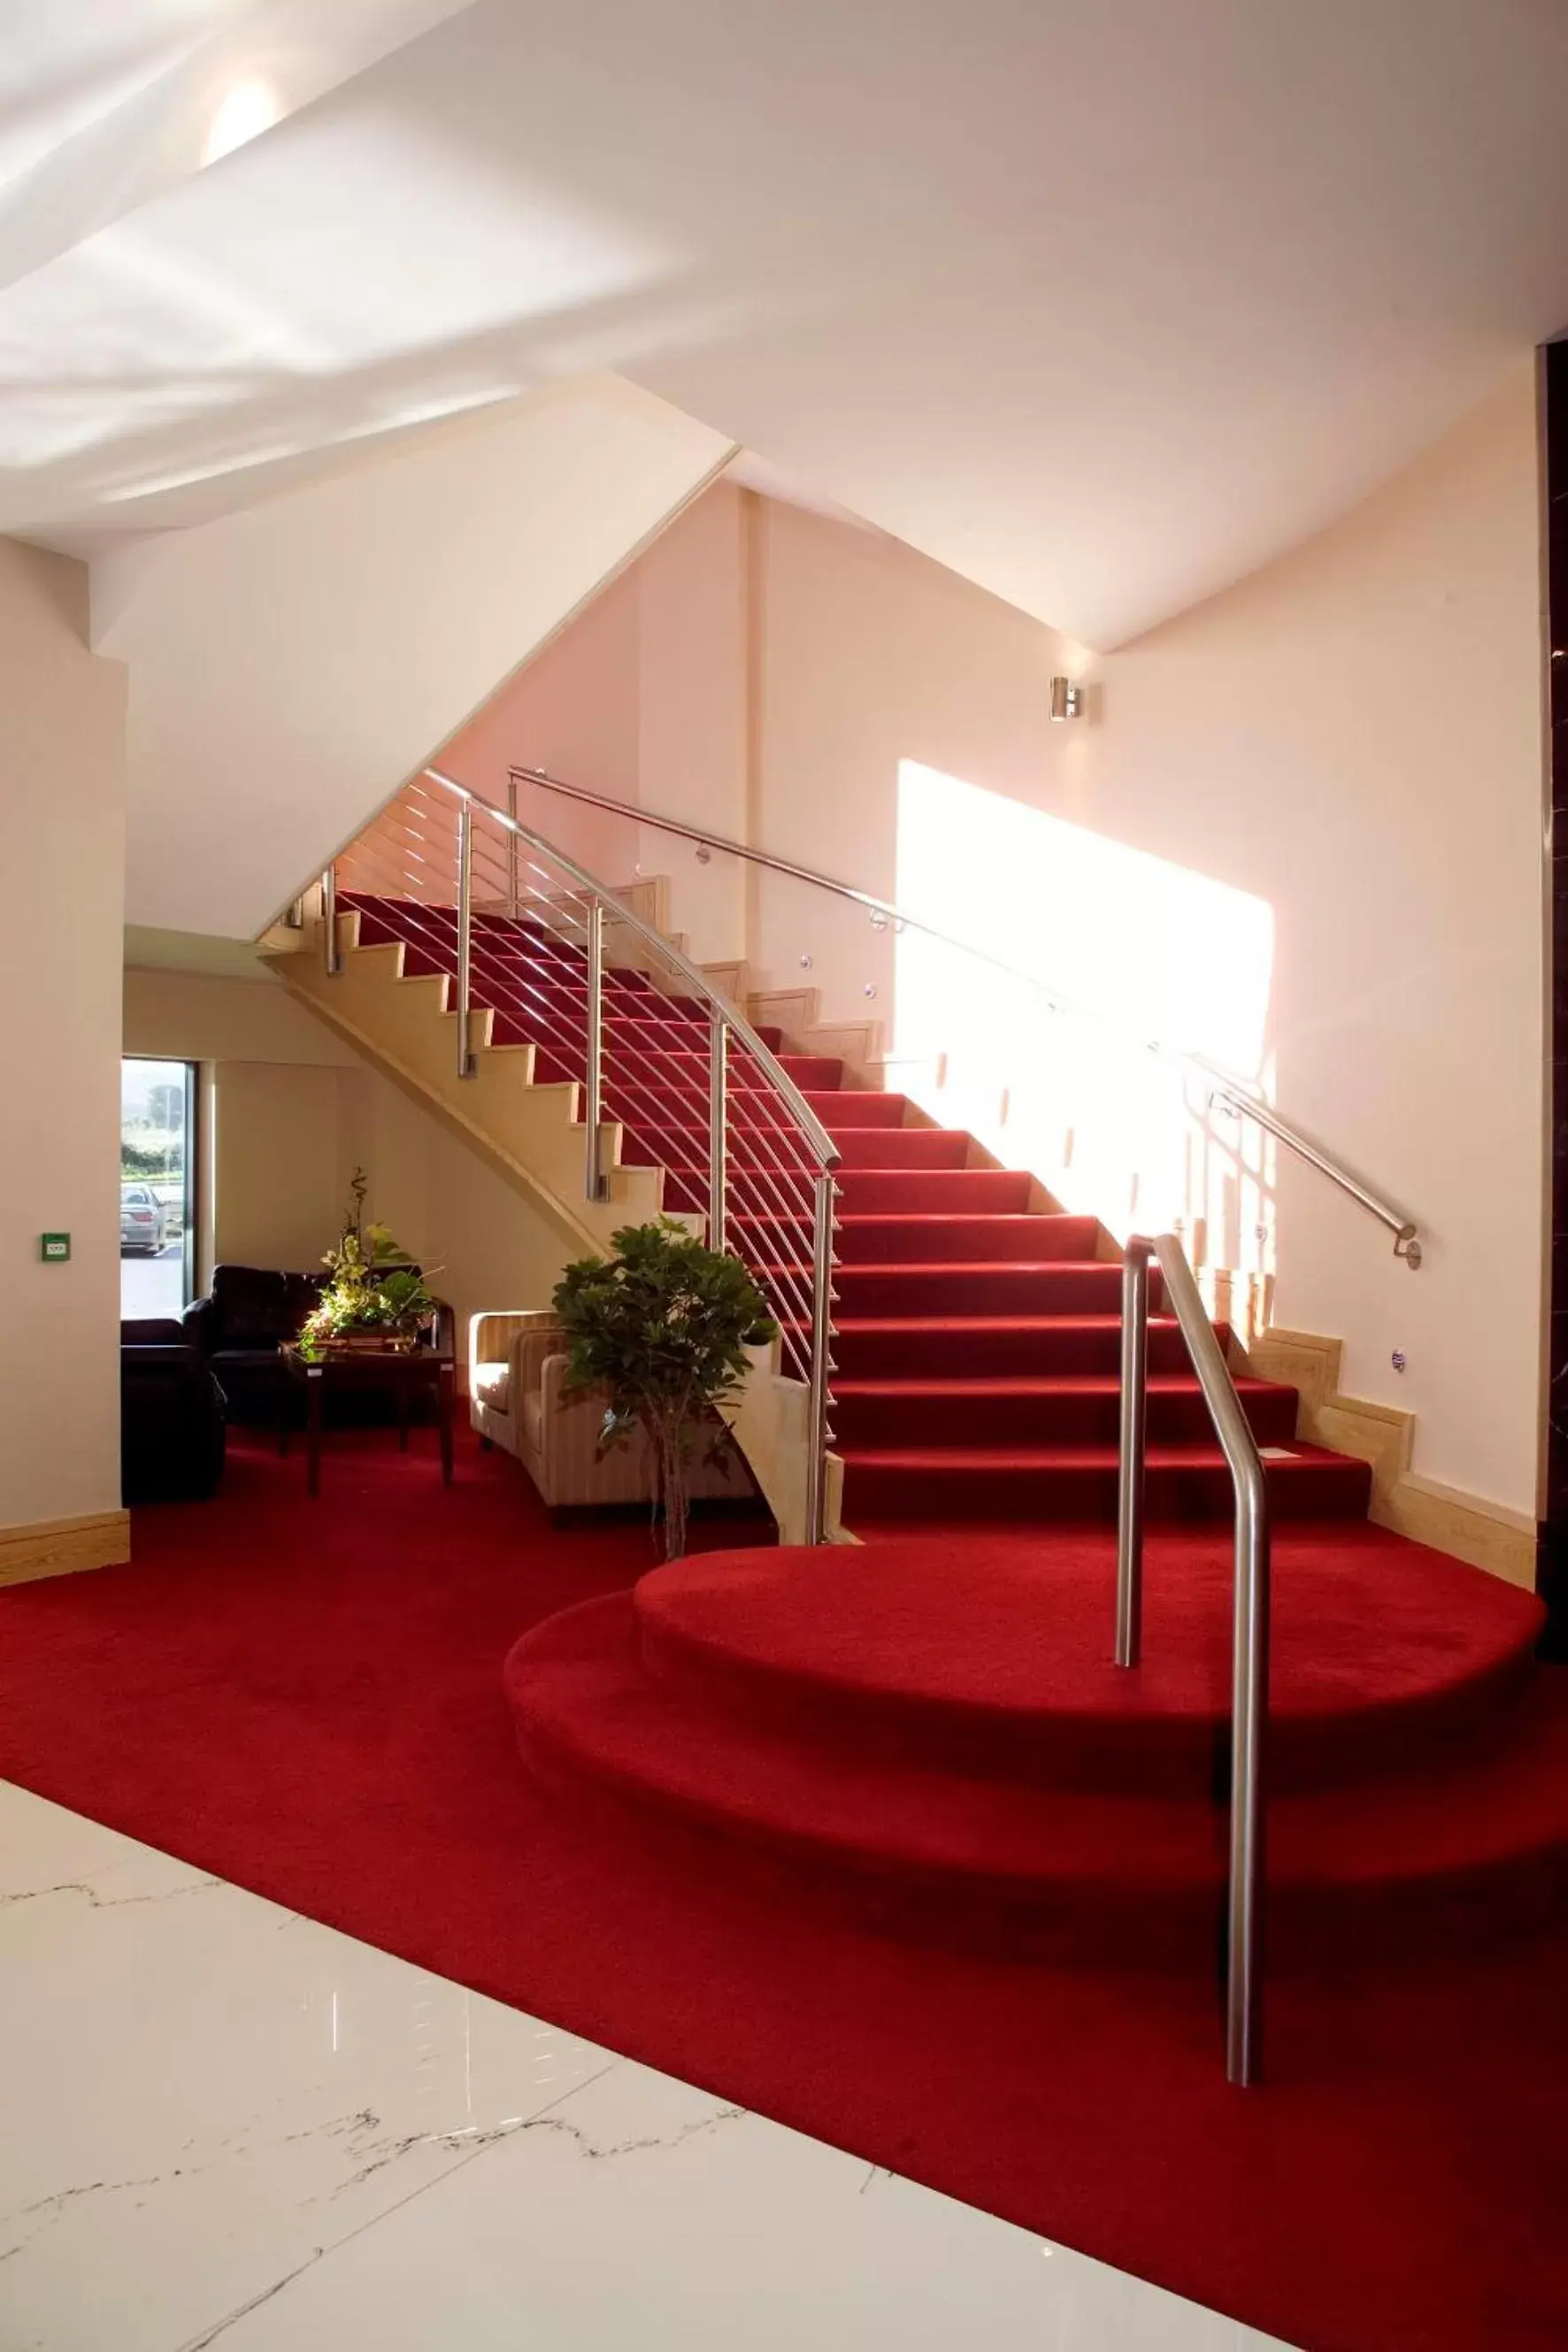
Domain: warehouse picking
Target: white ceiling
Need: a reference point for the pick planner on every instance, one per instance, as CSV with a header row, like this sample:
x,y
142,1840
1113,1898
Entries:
x,y
1100,305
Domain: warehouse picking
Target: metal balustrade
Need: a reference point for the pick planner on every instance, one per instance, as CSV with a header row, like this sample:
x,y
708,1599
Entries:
x,y
532,942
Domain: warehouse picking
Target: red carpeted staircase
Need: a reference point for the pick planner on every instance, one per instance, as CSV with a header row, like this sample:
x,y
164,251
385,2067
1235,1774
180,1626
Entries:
x,y
978,1328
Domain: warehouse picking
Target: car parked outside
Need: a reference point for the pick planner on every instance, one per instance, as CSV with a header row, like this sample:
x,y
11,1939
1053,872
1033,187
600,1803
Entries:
x,y
143,1223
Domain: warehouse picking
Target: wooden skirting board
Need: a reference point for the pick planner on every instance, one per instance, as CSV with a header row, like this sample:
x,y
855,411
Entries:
x,y
1487,1535
61,1546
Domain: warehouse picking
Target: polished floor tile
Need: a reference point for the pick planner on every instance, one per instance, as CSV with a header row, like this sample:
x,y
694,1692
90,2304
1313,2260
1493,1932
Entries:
x,y
229,2125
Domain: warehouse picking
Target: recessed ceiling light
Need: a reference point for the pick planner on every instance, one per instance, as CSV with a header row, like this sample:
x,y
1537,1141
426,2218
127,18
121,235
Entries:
x,y
249,108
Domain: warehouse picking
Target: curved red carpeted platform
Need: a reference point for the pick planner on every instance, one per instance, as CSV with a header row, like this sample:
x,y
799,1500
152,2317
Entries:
x,y
860,1720
997,1649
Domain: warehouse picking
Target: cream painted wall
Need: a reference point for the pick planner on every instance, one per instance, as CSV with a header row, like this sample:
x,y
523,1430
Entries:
x,y
285,1141
290,666
867,656
293,1111
694,588
1355,735
572,711
62,771
644,698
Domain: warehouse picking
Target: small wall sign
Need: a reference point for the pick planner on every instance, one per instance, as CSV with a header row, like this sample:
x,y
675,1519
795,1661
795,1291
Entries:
x,y
56,1248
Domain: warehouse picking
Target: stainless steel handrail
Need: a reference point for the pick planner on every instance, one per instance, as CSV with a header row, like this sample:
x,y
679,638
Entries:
x,y
805,1119
1250,1609
1224,1086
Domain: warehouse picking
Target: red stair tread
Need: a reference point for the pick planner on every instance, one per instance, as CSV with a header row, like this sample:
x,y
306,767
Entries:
x,y
1044,1385
1059,1409
1056,1483
992,1458
1482,1842
905,1347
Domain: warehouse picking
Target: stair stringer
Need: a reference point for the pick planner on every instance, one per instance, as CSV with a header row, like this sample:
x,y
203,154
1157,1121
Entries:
x,y
798,1011
533,1136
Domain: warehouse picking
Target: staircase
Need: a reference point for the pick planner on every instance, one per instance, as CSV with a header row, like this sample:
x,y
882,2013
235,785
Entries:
x,y
977,1325
940,1740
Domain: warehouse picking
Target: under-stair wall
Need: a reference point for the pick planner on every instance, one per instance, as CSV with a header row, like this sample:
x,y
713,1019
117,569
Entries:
x,y
393,997
290,666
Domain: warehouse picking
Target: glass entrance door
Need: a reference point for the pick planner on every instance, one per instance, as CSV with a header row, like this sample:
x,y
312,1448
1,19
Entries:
x,y
157,1186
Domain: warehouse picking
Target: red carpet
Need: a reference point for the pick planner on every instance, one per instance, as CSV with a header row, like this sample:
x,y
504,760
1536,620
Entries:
x,y
308,1701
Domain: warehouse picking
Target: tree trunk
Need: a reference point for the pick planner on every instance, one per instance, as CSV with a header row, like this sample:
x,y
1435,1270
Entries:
x,y
671,1459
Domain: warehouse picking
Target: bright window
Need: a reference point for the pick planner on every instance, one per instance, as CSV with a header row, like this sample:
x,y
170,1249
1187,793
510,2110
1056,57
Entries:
x,y
157,1181
1138,952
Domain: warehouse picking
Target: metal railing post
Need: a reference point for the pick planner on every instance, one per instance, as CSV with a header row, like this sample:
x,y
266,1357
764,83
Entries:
x,y
595,1180
511,896
465,936
1248,1726
329,948
1249,1670
821,1359
1130,1468
718,1127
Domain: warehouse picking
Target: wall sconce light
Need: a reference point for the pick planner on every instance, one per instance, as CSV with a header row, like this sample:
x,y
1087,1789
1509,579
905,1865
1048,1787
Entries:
x,y
1067,699
249,108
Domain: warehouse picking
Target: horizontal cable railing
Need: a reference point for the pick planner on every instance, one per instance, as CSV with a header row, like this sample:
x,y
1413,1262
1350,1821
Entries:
x,y
1223,1089
540,954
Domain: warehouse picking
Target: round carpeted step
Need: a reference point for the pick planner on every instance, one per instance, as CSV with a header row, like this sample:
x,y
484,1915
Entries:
x,y
995,1651
1474,1848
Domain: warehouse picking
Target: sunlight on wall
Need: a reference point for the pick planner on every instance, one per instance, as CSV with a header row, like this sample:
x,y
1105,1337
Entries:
x,y
1127,952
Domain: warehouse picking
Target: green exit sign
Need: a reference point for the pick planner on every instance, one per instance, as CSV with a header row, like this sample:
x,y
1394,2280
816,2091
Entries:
x,y
56,1247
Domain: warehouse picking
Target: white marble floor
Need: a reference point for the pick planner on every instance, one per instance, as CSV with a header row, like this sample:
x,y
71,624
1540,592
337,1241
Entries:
x,y
225,2123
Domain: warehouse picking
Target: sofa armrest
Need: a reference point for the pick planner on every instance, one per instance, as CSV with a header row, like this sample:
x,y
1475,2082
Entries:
x,y
539,1361
200,1321
492,1334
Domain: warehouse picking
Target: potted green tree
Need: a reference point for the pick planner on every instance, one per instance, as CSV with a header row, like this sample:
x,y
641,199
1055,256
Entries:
x,y
661,1329
376,1301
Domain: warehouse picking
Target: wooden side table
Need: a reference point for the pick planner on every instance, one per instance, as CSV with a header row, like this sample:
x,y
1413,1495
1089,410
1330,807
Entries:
x,y
403,1375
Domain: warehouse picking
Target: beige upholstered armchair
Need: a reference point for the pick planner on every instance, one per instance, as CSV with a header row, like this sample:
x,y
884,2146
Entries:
x,y
517,1371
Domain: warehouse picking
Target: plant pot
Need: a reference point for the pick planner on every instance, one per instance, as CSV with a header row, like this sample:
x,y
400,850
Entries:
x,y
369,1343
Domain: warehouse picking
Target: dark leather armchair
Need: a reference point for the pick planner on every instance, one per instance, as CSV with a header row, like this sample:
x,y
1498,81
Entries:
x,y
172,1431
239,1328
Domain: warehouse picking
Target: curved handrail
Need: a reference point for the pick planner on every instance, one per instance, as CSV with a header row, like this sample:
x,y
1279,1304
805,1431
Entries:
x,y
1250,1606
1224,1086
805,1119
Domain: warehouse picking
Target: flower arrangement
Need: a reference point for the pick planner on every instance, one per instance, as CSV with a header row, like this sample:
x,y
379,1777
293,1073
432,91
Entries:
x,y
376,1298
